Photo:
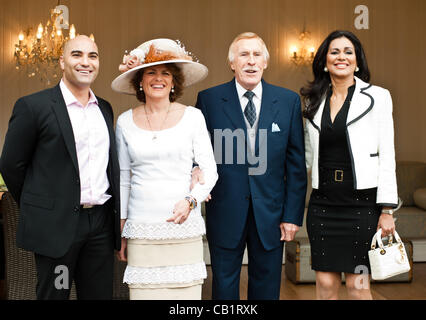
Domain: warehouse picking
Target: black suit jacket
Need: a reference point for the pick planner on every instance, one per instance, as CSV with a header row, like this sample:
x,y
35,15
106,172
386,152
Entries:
x,y
39,166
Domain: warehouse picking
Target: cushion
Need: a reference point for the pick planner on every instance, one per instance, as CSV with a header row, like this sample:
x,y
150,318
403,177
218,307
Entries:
x,y
410,175
420,198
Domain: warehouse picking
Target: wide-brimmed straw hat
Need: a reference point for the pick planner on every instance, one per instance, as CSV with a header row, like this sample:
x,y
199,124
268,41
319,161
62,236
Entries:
x,y
155,52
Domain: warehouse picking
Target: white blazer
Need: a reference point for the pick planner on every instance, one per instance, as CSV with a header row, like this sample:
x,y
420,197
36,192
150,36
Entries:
x,y
370,135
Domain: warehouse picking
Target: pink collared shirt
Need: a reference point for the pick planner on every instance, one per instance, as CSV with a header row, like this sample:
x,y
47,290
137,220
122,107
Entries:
x,y
92,145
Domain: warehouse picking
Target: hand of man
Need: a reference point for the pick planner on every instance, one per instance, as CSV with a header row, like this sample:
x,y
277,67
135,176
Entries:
x,y
288,231
198,177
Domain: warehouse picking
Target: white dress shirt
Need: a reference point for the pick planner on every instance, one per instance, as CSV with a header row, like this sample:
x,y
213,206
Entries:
x,y
257,100
92,146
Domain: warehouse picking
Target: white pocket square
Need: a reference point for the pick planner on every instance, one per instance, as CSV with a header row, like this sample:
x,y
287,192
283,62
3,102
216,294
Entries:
x,y
275,128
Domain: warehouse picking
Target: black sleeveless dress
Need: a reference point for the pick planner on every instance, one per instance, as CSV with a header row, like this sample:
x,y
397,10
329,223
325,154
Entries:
x,y
341,221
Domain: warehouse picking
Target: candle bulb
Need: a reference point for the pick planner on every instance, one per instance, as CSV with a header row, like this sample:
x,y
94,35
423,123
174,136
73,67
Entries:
x,y
39,32
92,37
40,29
293,51
72,32
21,37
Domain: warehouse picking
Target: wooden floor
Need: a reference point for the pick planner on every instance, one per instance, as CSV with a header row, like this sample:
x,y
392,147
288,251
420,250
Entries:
x,y
416,290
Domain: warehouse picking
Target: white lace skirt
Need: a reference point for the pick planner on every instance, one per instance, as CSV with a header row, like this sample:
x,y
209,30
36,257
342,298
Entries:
x,y
165,269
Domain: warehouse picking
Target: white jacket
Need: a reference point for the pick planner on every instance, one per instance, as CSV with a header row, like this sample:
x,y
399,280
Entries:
x,y
370,137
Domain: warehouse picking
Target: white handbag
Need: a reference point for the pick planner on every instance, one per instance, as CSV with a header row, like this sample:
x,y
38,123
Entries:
x,y
387,261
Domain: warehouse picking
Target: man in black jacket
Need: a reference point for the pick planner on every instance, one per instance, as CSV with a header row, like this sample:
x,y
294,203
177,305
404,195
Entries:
x,y
60,164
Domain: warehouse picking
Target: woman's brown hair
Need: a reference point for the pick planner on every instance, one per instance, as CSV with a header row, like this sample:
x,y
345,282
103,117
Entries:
x,y
178,80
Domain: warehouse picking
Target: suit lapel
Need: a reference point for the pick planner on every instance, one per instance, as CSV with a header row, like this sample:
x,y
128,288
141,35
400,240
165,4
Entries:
x,y
316,121
109,123
232,107
268,112
60,109
362,102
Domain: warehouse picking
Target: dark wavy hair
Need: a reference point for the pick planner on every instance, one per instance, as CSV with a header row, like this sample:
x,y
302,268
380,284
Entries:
x,y
314,91
178,80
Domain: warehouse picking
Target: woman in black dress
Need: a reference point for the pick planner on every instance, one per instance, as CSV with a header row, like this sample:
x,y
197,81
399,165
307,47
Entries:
x,y
349,143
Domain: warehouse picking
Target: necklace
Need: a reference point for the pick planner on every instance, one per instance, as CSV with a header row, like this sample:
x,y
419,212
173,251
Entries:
x,y
154,134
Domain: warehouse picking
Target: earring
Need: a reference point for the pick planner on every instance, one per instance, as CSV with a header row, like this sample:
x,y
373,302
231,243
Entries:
x,y
325,69
357,69
173,90
140,88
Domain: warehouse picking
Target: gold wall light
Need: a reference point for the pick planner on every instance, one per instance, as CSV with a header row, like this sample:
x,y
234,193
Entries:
x,y
303,52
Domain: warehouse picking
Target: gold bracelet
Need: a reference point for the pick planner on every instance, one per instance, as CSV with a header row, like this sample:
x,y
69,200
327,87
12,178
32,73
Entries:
x,y
192,202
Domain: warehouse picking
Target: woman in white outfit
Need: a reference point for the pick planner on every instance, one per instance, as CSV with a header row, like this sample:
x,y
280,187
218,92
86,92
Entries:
x,y
158,142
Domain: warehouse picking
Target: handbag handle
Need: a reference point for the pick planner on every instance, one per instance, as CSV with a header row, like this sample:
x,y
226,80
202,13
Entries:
x,y
378,237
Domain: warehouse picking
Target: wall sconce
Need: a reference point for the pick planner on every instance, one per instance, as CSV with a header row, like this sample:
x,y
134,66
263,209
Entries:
x,y
302,54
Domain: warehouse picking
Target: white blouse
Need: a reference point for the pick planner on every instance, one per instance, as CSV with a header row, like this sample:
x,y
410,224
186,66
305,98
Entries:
x,y
156,173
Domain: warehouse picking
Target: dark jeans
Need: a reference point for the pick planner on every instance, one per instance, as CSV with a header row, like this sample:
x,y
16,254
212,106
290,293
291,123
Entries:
x,y
89,261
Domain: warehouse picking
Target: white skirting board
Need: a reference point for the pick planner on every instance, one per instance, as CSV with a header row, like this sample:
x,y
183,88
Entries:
x,y
419,249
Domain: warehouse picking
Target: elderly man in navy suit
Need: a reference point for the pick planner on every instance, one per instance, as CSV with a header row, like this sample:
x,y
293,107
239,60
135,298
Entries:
x,y
258,201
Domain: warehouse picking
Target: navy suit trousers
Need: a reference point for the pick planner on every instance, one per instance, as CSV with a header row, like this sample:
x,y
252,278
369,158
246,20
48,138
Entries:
x,y
264,267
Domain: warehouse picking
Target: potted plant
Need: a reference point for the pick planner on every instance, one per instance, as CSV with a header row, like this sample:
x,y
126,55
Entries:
x,y
2,184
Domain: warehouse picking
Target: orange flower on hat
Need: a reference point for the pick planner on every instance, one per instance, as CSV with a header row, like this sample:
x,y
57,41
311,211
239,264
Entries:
x,y
155,55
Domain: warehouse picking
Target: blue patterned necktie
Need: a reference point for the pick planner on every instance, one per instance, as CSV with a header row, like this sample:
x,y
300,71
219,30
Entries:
x,y
250,111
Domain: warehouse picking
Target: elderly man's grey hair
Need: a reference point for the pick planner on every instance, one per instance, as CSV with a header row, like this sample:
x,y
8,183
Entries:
x,y
247,35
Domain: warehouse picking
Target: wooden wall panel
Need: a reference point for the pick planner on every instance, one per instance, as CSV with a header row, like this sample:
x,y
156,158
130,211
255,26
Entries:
x,y
420,110
394,45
